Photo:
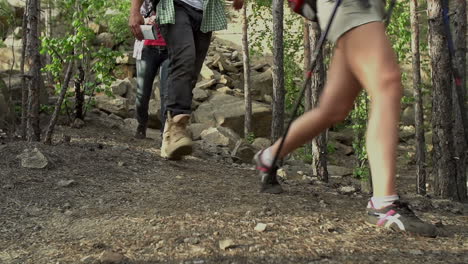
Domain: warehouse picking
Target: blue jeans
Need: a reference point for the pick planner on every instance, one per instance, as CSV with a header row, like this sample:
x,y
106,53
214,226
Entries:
x,y
153,58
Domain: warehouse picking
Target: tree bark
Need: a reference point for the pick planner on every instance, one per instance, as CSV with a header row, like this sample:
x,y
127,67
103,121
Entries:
x,y
58,104
459,103
308,91
319,143
24,91
307,56
418,105
444,165
277,124
34,58
79,93
246,61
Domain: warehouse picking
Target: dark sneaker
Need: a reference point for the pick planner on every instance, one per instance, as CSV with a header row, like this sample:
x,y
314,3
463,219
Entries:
x,y
268,184
399,217
140,132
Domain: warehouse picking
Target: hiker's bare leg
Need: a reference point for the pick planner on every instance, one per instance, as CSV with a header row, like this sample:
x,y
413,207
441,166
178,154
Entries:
x,y
335,103
374,64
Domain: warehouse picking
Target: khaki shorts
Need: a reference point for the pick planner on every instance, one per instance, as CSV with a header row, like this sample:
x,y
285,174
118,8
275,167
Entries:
x,y
350,14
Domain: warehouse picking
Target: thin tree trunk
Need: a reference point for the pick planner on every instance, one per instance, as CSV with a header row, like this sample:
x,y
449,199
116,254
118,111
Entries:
x,y
33,126
319,143
24,91
79,93
48,33
58,104
418,105
307,55
246,60
277,124
444,165
460,125
308,91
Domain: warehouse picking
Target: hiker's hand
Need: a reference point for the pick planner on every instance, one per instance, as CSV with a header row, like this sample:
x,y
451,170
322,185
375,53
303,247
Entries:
x,y
237,4
134,22
150,20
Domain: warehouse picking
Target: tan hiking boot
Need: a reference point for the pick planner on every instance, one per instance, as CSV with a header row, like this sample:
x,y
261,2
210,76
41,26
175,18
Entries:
x,y
176,139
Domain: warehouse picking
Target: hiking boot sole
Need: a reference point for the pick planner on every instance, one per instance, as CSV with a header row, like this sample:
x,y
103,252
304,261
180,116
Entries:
x,y
179,152
271,188
398,231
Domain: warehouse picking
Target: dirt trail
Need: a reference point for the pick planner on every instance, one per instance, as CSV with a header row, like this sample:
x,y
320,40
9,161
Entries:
x,y
125,198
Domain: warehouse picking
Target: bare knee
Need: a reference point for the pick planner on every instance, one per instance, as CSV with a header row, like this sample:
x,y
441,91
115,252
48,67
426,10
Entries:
x,y
335,113
390,87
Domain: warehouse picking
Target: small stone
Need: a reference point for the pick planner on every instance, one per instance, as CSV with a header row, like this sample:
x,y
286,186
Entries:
x,y
68,213
109,257
205,84
260,227
8,186
225,90
322,204
120,148
66,183
33,159
226,244
416,252
88,260
347,189
282,173
78,123
67,206
121,163
192,240
216,233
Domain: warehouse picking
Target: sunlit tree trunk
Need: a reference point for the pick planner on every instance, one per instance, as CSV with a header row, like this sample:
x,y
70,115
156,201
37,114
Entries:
x,y
277,124
35,81
418,105
459,100
319,143
245,57
444,165
24,90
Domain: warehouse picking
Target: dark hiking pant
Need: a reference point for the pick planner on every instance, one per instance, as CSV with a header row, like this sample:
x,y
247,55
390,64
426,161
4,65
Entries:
x,y
187,47
153,58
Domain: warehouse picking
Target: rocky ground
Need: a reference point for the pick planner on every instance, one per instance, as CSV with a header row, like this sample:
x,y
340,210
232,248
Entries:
x,y
104,197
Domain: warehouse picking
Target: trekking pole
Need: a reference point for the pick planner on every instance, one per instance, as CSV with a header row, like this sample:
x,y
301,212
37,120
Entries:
x,y
271,173
271,181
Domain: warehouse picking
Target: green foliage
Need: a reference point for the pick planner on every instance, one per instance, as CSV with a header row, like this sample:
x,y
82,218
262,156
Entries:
x,y
250,137
261,41
399,30
7,18
331,148
359,117
49,109
304,153
97,62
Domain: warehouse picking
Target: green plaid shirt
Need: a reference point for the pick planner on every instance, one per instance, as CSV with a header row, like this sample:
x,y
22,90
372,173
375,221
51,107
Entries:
x,y
214,15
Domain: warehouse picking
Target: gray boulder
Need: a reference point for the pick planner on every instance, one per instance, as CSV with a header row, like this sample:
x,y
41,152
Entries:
x,y
117,105
228,111
220,136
